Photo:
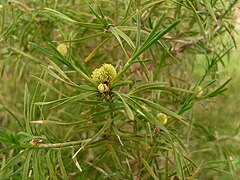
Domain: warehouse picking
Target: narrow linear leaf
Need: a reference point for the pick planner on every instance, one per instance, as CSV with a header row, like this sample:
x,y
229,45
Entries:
x,y
49,102
94,12
27,165
2,150
147,6
158,86
178,163
65,17
115,33
13,160
61,165
99,133
101,113
128,9
138,34
53,54
210,9
83,39
180,142
155,29
50,166
27,105
148,115
125,37
127,108
25,54
160,108
197,19
154,39
76,98
149,169
48,85
36,164
96,49
116,158
20,123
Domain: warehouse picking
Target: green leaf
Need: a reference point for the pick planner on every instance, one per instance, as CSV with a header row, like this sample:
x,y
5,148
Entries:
x,y
149,169
6,138
99,133
147,115
210,9
178,163
61,165
160,108
14,160
116,159
115,33
143,8
50,166
80,40
154,38
197,19
127,108
180,142
48,85
27,165
101,19
52,53
12,113
157,86
25,54
108,111
155,29
8,148
219,90
138,35
121,83
65,17
27,106
36,164
90,56
76,98
125,37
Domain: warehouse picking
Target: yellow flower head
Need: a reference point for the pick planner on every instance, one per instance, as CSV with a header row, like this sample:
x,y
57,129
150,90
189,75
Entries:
x,y
105,74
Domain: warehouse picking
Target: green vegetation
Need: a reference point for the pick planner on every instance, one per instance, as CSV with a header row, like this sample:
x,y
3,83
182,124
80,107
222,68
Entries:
x,y
118,90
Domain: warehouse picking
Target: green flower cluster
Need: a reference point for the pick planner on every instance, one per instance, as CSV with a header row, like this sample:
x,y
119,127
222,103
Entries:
x,y
105,74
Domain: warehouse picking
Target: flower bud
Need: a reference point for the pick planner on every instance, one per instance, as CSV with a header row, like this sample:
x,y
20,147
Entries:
x,y
102,88
62,48
162,118
199,91
146,108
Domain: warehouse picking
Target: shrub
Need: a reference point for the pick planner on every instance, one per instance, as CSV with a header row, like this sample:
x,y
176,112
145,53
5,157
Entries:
x,y
112,88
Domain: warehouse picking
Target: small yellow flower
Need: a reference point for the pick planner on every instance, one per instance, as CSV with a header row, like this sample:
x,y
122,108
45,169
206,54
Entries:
x,y
62,48
162,118
105,74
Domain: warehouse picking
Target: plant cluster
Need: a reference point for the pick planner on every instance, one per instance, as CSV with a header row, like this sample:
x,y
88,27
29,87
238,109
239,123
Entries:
x,y
105,89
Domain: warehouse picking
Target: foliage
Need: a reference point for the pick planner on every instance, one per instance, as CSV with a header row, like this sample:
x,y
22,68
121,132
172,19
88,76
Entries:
x,y
105,89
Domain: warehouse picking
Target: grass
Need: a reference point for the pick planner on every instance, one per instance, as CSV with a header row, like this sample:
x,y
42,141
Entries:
x,y
59,121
